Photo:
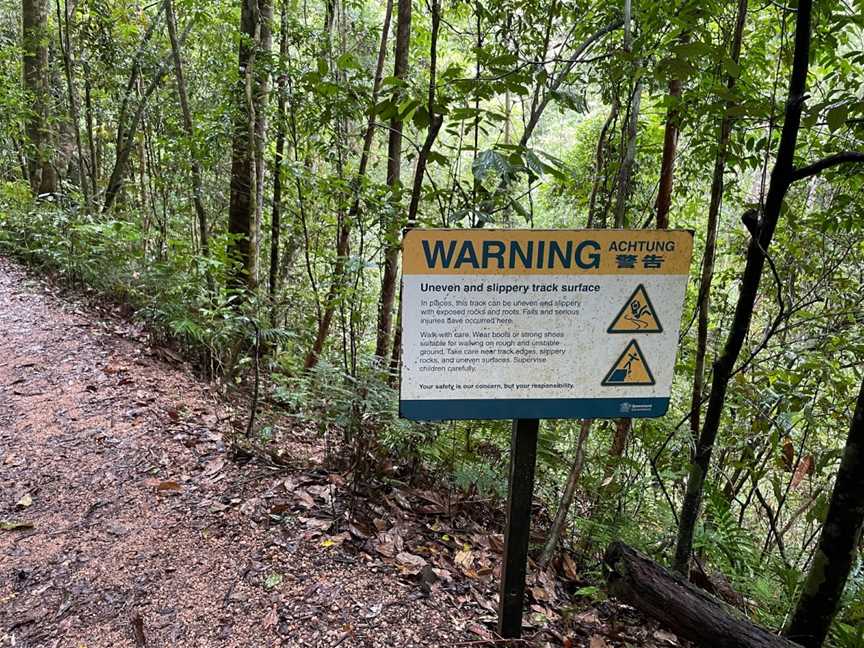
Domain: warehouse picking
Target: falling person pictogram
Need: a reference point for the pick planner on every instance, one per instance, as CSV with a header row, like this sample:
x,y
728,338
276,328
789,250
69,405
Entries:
x,y
630,369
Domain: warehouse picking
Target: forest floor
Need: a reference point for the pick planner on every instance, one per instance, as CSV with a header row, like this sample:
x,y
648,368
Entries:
x,y
124,520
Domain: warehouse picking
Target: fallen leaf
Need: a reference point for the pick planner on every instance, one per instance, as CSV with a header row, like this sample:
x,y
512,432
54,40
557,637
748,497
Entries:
x,y
539,593
386,548
587,618
374,611
401,500
213,467
305,499
411,563
335,540
272,618
464,558
317,524
15,526
168,486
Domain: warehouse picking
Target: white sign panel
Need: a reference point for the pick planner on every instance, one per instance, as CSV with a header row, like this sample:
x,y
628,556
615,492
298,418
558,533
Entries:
x,y
541,324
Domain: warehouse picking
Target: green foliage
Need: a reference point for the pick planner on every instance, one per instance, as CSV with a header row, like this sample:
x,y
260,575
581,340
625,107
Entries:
x,y
502,67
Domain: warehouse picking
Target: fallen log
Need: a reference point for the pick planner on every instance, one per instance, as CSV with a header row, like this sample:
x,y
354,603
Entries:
x,y
683,608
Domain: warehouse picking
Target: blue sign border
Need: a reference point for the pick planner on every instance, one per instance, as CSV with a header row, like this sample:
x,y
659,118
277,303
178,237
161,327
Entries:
x,y
532,408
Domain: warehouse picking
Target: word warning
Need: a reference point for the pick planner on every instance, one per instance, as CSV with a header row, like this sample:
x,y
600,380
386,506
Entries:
x,y
501,324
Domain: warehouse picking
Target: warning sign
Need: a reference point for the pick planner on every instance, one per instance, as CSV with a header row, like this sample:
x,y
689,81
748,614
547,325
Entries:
x,y
630,368
531,324
637,315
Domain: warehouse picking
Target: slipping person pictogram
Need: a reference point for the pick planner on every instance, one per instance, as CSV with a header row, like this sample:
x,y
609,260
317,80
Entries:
x,y
637,316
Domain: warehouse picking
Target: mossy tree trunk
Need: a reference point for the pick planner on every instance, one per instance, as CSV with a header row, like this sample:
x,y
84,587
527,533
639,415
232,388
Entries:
x,y
838,544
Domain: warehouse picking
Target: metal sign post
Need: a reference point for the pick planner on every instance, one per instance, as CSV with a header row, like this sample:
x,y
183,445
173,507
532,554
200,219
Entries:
x,y
523,458
538,324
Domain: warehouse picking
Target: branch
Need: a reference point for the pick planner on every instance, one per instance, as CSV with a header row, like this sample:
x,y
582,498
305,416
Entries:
x,y
825,163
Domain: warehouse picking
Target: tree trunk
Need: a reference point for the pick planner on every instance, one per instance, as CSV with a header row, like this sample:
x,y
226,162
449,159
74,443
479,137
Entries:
x,y
260,97
34,43
436,120
560,521
688,611
630,127
670,150
278,159
126,136
243,208
539,103
711,231
394,162
91,141
66,49
189,128
838,544
623,427
600,161
343,238
782,175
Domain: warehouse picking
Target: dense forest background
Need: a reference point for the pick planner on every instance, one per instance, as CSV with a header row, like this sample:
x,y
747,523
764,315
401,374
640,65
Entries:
x,y
240,174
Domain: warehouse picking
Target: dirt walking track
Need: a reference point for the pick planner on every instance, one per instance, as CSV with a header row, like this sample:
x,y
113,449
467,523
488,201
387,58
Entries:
x,y
122,515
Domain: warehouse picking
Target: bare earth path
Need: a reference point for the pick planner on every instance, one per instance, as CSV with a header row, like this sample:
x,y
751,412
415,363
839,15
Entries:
x,y
112,460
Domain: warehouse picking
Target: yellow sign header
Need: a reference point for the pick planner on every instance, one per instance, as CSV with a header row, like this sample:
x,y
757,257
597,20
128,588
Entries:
x,y
546,252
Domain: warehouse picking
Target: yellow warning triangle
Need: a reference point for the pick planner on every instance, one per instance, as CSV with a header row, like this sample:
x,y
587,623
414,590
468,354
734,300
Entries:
x,y
637,315
629,369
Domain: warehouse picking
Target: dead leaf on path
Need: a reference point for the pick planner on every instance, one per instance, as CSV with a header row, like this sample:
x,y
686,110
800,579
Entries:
x,y
486,604
335,540
479,630
598,642
539,593
359,532
386,547
280,508
324,492
25,502
464,559
304,499
214,467
587,618
250,506
316,524
168,486
401,500
272,618
410,563
443,574
15,526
